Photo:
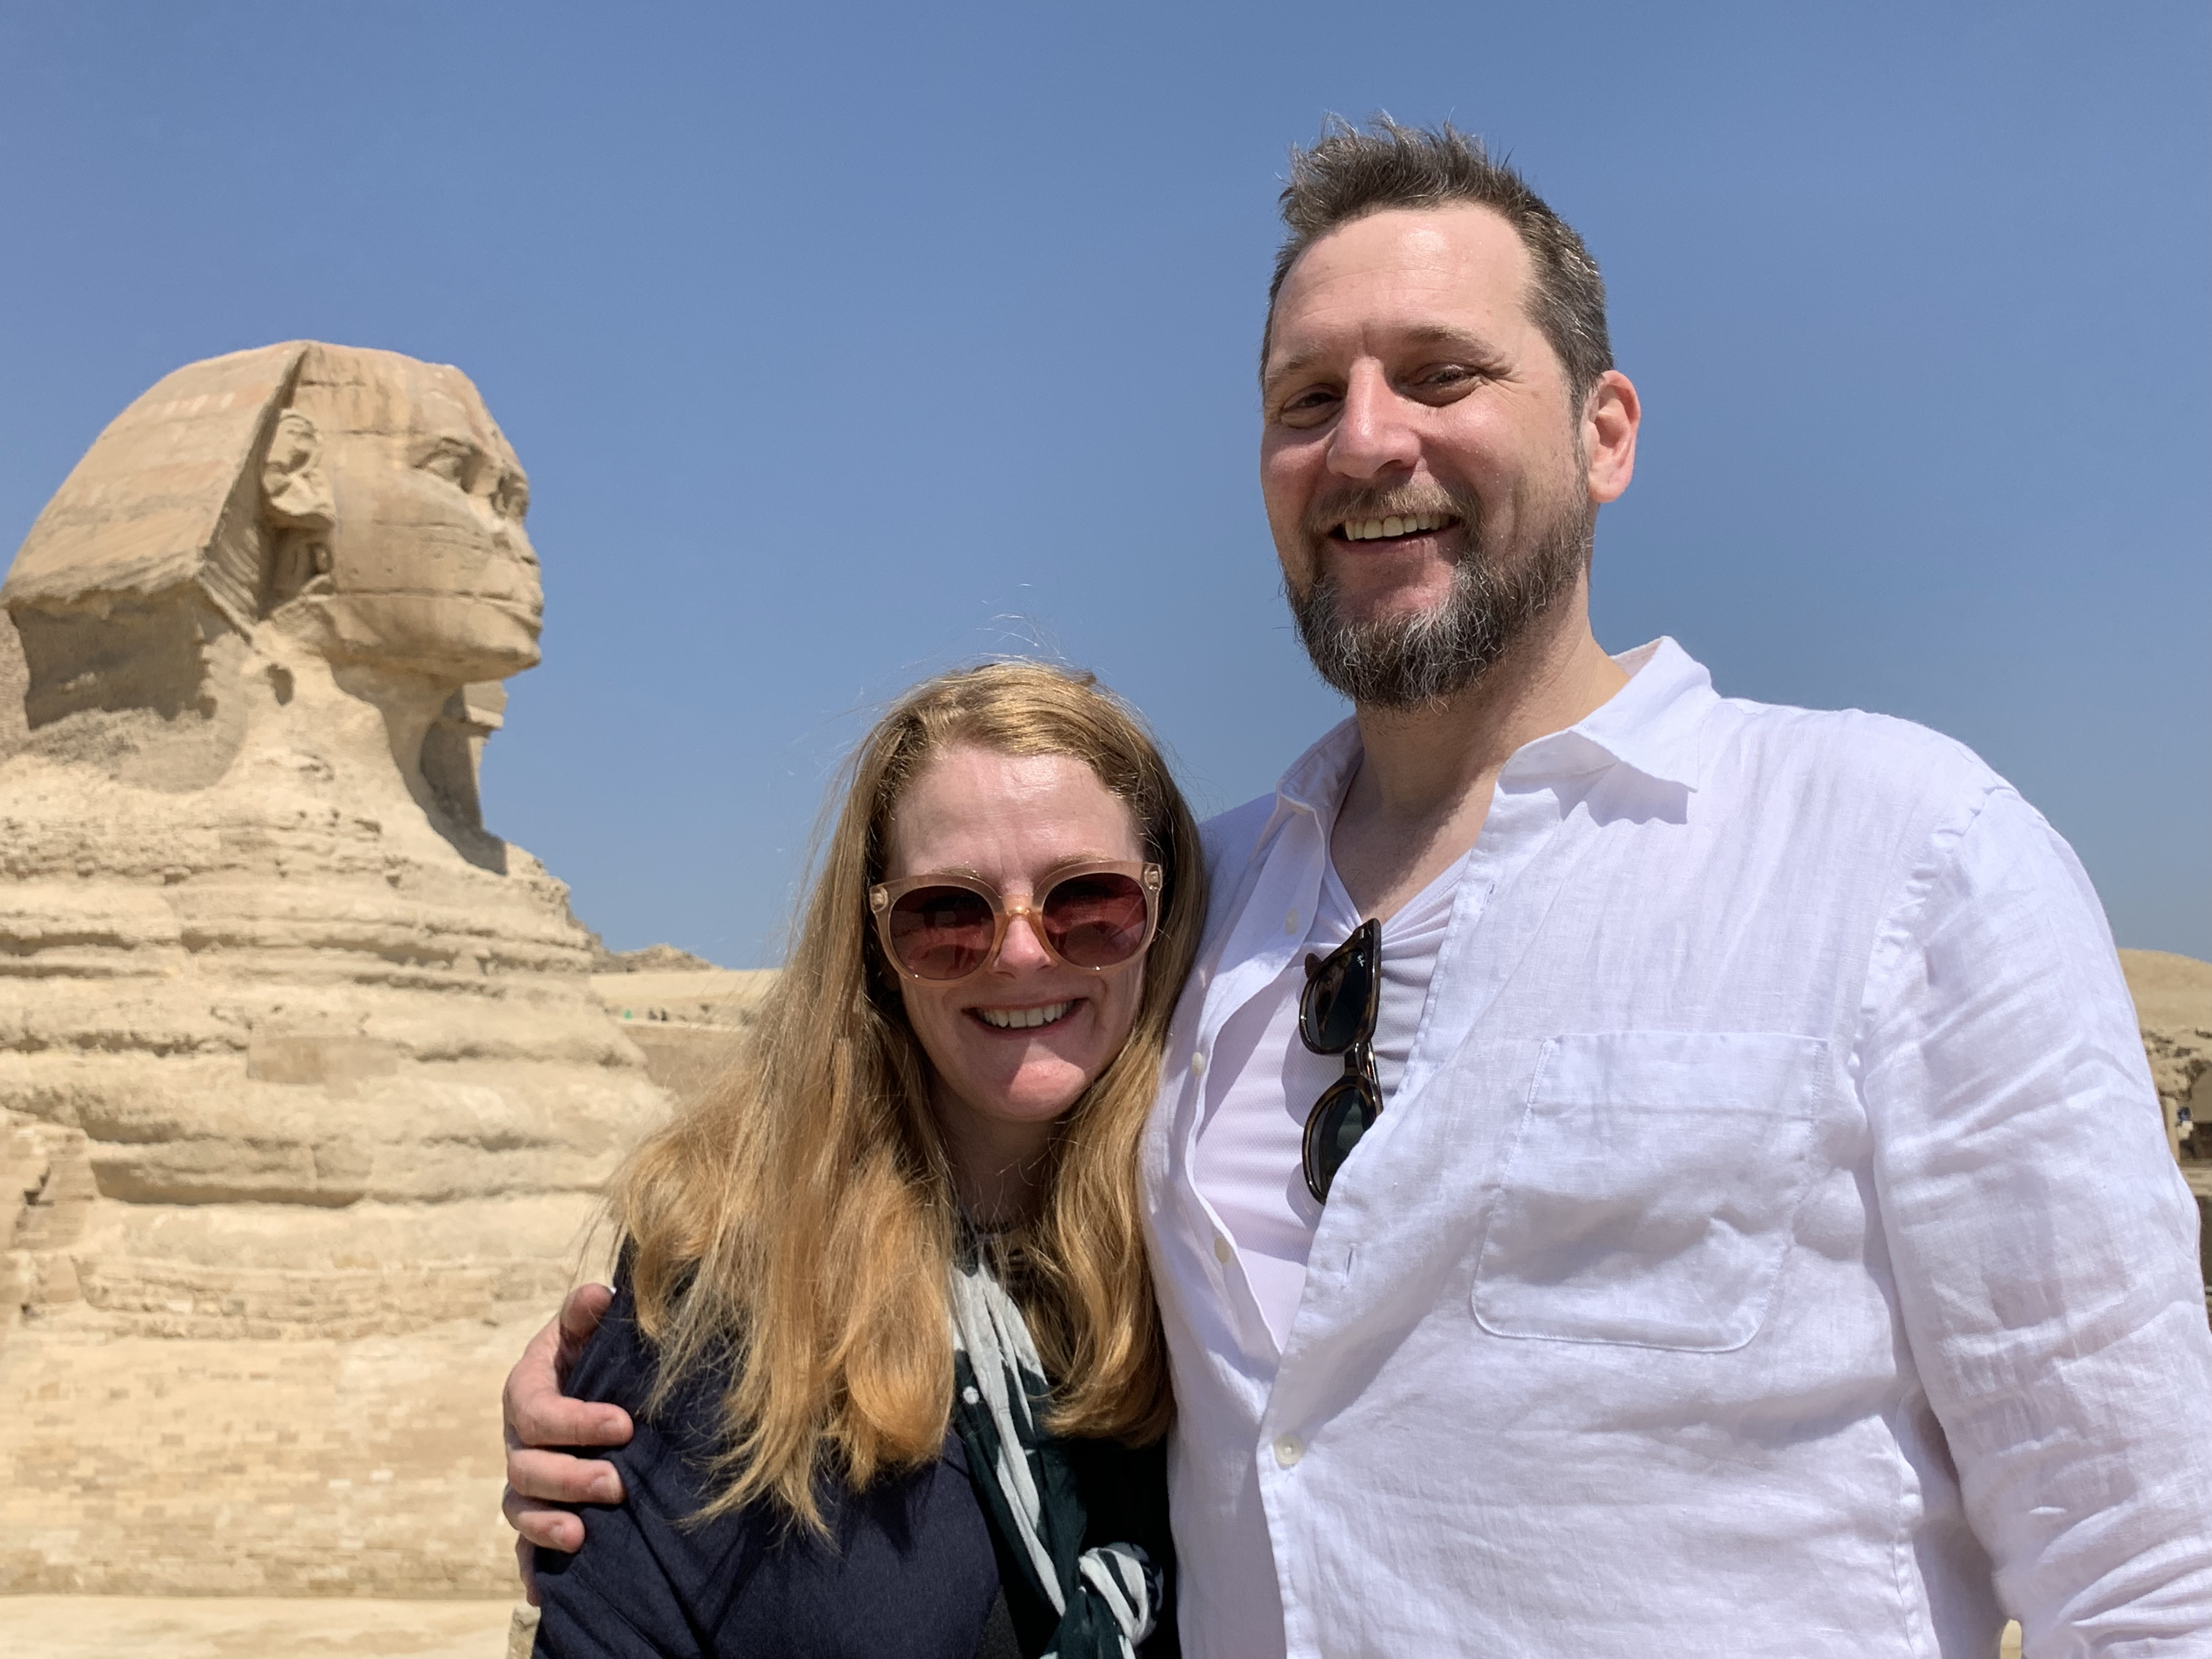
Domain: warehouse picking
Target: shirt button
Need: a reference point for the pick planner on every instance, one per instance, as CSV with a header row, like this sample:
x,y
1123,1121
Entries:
x,y
1222,1249
1291,922
1197,1065
1287,1450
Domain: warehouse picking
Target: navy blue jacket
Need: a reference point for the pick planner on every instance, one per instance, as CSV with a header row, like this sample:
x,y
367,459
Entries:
x,y
910,1571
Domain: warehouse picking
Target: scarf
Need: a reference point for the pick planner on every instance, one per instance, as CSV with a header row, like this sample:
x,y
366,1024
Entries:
x,y
1108,1597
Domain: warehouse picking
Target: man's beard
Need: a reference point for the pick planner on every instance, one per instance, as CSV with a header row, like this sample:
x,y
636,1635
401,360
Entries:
x,y
1497,594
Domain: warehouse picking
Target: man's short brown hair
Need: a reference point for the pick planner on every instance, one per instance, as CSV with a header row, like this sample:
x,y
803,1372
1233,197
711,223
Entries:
x,y
1349,173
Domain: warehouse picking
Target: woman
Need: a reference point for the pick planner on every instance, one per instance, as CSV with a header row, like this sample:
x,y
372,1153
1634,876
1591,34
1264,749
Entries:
x,y
849,1274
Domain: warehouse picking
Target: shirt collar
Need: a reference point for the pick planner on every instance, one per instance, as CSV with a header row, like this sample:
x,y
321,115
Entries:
x,y
1652,724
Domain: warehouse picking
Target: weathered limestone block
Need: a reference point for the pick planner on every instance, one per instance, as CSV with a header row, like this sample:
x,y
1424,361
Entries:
x,y
291,1046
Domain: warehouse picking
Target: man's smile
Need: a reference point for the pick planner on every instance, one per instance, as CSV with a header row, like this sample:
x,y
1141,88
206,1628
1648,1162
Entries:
x,y
1391,527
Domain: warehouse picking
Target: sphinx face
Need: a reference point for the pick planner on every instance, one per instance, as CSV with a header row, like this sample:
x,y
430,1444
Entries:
x,y
428,569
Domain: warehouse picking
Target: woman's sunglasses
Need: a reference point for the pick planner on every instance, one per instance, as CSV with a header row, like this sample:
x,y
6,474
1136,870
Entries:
x,y
1336,1016
945,928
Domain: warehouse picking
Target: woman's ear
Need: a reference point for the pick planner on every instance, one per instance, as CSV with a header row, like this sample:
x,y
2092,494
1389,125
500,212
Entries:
x,y
294,488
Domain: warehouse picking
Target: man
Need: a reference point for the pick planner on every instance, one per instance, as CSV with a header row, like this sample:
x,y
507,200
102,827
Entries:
x,y
1762,1238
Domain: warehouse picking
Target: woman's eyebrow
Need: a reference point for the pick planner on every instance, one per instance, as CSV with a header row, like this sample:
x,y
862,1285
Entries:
x,y
968,872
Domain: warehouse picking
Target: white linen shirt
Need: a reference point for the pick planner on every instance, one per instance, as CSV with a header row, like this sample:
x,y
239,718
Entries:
x,y
1772,1248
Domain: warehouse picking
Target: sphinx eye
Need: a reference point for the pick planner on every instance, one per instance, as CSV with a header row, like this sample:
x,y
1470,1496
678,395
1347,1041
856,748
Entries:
x,y
450,461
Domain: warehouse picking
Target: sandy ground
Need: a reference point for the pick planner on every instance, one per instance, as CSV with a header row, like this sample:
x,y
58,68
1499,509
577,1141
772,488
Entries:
x,y
241,1627
320,1470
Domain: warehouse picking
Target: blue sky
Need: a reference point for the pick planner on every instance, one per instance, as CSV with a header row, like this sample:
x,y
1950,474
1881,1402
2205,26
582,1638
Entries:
x,y
846,342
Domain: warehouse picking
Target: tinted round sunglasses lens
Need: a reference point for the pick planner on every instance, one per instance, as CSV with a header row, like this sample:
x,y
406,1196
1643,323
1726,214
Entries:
x,y
1345,1112
940,933
1096,921
1338,993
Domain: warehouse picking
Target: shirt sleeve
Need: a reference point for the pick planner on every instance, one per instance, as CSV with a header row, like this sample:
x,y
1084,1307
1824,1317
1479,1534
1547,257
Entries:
x,y
2042,1241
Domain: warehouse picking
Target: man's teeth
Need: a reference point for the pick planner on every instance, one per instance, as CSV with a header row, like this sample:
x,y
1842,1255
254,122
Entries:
x,y
1410,524
1020,1019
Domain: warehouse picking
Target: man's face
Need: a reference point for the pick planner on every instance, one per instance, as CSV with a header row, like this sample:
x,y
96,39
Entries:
x,y
1427,480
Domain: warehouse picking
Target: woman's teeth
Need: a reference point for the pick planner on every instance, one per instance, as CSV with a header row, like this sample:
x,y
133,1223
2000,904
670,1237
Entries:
x,y
1020,1019
1410,524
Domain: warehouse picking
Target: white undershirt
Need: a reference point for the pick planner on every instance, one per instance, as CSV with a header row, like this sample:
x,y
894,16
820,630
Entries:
x,y
1263,1081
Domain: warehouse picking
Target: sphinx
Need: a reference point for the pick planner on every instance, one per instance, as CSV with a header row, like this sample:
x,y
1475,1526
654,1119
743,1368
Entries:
x,y
289,1043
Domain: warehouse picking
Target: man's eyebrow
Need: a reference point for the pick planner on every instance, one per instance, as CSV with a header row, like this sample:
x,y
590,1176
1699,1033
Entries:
x,y
1422,334
1465,339
1289,368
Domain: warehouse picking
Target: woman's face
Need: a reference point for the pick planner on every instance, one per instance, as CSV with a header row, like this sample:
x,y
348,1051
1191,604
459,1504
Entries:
x,y
1010,821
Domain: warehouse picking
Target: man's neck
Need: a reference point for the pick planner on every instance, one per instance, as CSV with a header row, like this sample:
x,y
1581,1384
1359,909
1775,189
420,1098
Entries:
x,y
1425,777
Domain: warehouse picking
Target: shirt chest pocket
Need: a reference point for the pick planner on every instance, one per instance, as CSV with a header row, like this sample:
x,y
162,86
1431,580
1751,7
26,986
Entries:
x,y
1649,1193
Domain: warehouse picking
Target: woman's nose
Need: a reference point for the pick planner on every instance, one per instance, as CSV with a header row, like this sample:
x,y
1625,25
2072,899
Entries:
x,y
1024,950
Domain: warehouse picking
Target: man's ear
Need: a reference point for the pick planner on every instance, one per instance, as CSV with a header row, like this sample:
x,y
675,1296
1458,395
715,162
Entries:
x,y
294,488
1611,416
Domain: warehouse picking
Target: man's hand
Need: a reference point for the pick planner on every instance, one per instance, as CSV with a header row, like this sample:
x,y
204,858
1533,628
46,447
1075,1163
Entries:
x,y
538,1414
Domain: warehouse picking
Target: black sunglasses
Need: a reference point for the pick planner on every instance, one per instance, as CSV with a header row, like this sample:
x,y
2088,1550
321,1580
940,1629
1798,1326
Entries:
x,y
1336,1016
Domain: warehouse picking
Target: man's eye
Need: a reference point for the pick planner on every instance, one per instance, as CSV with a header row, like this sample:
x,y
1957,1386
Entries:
x,y
1447,377
1309,406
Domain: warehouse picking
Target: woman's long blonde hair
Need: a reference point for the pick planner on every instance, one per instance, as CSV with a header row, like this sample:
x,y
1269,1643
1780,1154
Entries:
x,y
793,1229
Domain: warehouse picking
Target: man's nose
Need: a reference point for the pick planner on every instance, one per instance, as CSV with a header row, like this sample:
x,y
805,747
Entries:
x,y
1375,434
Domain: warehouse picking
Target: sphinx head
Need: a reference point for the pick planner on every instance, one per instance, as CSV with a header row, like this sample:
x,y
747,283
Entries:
x,y
363,503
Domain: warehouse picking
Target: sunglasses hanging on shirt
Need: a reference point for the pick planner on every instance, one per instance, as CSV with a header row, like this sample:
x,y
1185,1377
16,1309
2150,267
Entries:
x,y
1336,1016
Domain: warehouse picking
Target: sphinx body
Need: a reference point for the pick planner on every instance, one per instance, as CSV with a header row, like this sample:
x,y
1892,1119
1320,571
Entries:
x,y
290,1044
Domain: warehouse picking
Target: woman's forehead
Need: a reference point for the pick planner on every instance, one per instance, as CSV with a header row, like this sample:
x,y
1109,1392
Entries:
x,y
970,807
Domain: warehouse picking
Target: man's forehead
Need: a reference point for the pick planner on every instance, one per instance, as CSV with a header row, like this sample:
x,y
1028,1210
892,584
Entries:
x,y
1411,275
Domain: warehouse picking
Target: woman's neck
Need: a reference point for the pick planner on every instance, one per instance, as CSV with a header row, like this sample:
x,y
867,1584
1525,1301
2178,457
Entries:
x,y
998,1169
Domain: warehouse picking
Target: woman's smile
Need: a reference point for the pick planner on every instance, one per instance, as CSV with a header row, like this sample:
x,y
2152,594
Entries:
x,y
1021,1021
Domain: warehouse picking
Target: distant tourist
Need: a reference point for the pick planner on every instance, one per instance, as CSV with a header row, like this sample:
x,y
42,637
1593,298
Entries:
x,y
1636,1172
